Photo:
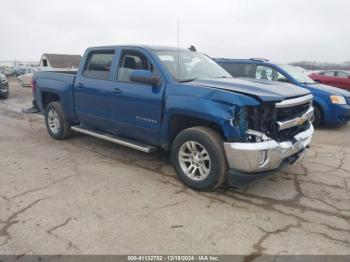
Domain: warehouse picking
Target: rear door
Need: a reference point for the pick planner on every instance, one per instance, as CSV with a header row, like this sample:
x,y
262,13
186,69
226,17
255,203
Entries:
x,y
93,90
136,108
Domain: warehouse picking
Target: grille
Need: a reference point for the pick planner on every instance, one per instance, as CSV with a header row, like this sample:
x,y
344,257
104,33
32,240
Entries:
x,y
264,118
288,134
287,113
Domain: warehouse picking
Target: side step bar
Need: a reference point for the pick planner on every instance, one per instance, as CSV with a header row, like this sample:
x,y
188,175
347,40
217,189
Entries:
x,y
115,139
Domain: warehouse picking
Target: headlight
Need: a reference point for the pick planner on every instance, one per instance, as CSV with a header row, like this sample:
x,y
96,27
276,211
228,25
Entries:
x,y
339,100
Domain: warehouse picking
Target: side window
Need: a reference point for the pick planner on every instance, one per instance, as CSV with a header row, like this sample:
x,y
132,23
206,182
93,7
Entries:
x,y
327,73
343,74
239,70
268,73
131,60
99,65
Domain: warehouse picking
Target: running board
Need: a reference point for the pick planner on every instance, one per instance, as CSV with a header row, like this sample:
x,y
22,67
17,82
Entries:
x,y
115,139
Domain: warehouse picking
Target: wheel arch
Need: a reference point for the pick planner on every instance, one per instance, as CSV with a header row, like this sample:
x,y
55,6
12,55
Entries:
x,y
178,122
47,97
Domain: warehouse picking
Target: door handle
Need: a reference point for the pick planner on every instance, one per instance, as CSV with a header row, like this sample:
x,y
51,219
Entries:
x,y
80,85
116,91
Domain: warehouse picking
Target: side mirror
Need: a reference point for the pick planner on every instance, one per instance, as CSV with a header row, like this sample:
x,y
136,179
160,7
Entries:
x,y
144,77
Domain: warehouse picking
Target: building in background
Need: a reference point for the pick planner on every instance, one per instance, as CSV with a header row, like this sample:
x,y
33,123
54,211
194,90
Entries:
x,y
59,62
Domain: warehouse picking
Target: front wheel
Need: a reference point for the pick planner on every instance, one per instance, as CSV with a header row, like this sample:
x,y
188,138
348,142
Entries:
x,y
199,159
56,123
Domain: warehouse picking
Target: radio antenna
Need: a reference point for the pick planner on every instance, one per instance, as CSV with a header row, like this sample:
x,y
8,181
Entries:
x,y
178,49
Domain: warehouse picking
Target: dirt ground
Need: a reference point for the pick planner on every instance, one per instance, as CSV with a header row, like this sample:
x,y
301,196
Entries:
x,y
87,196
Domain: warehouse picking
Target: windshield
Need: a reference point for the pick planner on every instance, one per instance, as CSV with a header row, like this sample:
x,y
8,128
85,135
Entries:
x,y
188,65
297,74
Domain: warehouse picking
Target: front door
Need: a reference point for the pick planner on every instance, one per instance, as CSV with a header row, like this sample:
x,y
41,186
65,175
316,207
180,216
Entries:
x,y
93,90
136,108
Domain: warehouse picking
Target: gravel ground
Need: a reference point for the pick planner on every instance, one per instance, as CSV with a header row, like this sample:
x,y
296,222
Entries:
x,y
87,196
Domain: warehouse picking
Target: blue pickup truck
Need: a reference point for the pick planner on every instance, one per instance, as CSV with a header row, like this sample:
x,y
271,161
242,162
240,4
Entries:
x,y
331,104
218,129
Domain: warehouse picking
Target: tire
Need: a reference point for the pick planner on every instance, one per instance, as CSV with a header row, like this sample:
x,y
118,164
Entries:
x,y
318,116
56,122
208,144
6,95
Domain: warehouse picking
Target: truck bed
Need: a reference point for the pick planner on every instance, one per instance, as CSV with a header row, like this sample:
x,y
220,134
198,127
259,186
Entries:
x,y
55,82
59,80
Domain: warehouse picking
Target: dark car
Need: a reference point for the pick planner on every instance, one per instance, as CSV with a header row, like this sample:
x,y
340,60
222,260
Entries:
x,y
4,87
337,78
331,104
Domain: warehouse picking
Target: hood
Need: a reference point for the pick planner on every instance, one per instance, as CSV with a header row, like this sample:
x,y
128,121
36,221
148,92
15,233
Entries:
x,y
331,90
264,89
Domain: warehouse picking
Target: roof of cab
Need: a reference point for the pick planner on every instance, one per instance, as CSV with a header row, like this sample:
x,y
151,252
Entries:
x,y
148,47
244,60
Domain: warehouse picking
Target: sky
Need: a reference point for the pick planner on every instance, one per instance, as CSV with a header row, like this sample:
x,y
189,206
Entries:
x,y
282,31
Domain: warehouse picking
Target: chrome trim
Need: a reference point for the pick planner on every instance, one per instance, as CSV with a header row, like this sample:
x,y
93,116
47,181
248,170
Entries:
x,y
294,101
114,139
244,157
258,134
308,115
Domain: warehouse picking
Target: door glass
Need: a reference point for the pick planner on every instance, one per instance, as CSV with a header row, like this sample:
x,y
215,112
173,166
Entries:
x,y
99,65
343,74
327,73
268,73
130,61
240,70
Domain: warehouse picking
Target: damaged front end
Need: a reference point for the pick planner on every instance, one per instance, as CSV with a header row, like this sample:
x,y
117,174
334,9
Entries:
x,y
271,134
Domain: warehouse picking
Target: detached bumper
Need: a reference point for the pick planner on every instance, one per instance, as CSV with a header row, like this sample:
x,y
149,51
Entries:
x,y
250,159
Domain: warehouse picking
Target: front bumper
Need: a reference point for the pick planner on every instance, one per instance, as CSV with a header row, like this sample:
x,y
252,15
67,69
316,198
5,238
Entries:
x,y
340,114
265,156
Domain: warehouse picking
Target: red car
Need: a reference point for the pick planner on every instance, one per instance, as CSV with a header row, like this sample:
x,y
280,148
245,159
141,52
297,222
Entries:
x,y
337,78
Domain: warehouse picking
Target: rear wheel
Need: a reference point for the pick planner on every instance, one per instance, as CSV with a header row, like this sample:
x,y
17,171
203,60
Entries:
x,y
56,123
199,159
317,116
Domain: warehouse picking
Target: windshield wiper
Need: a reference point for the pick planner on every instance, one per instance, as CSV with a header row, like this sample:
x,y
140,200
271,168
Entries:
x,y
187,80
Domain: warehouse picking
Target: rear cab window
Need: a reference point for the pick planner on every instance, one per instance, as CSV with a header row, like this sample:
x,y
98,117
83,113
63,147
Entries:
x,y
98,64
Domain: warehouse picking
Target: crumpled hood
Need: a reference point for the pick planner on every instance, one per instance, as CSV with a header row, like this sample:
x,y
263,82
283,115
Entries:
x,y
264,89
330,89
